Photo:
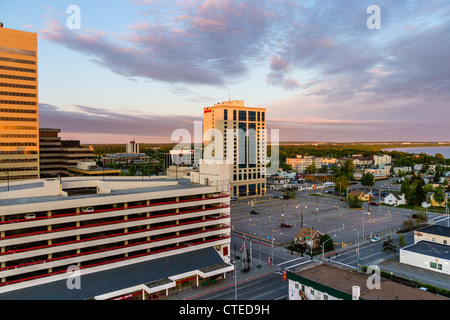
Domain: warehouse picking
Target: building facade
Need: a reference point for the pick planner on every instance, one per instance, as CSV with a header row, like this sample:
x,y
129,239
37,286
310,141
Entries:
x,y
58,156
120,225
300,164
237,134
50,152
19,120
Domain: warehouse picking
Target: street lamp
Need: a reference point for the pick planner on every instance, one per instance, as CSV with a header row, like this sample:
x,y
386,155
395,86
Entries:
x,y
235,281
358,245
323,248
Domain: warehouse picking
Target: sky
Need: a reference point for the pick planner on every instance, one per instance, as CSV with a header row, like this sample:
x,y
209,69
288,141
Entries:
x,y
124,70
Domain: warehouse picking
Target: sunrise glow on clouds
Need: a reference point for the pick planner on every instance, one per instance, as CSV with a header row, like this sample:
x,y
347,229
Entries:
x,y
140,69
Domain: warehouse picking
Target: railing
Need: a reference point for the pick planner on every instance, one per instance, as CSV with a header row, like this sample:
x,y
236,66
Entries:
x,y
112,261
110,223
14,267
114,209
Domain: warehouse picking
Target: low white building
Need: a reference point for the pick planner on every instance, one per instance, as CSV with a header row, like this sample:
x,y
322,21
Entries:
x,y
427,255
395,199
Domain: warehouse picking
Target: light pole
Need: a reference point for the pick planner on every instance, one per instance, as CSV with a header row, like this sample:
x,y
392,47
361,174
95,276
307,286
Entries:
x,y
323,248
358,245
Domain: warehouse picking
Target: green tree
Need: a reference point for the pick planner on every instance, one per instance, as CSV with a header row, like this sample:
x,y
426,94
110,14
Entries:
x,y
407,190
341,184
389,247
347,169
368,180
419,192
354,201
311,169
439,194
132,170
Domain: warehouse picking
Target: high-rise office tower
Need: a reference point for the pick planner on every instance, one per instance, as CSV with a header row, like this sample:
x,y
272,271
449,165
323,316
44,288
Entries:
x,y
19,121
239,136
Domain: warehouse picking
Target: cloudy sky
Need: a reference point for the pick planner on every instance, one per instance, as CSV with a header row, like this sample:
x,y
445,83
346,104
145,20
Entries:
x,y
139,69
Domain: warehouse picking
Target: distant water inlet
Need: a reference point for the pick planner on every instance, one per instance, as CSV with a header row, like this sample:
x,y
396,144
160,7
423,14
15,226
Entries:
x,y
432,151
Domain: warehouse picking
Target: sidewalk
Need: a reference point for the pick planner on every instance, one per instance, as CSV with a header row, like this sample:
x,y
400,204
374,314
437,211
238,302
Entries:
x,y
229,281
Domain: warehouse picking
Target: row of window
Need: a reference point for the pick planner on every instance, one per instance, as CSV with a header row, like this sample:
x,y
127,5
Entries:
x,y
17,60
15,85
18,119
22,52
244,115
18,135
18,152
18,128
18,144
18,160
18,94
17,110
10,76
19,169
25,103
243,176
17,69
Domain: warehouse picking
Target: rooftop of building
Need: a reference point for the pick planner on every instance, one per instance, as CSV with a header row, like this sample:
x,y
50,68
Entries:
x,y
152,273
343,278
436,229
437,250
48,190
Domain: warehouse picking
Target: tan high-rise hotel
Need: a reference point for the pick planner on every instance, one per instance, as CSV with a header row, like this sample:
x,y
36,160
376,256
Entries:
x,y
19,121
243,137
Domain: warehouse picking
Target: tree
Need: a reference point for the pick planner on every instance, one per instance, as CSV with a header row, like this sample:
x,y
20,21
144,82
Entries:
x,y
341,184
408,225
407,190
368,180
439,194
347,169
354,201
419,192
311,169
389,247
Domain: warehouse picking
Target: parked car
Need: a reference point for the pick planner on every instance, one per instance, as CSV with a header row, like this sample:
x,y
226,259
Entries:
x,y
375,239
341,199
87,209
254,212
29,216
374,204
286,225
234,198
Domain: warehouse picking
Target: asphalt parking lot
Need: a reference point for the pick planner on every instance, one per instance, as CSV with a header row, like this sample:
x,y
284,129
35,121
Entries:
x,y
324,212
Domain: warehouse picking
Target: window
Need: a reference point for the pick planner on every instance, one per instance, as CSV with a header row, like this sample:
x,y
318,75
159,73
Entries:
x,y
242,115
296,285
433,265
225,114
252,116
439,266
325,297
234,115
312,292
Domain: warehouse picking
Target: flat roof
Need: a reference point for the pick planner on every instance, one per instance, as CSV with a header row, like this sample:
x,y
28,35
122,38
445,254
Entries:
x,y
438,250
119,278
436,229
182,184
344,278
